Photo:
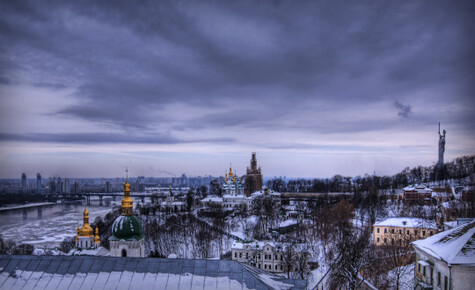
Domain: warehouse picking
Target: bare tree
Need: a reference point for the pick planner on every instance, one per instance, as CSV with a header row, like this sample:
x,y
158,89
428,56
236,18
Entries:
x,y
353,253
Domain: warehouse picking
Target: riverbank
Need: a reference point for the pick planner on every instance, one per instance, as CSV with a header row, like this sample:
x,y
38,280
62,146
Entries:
x,y
30,205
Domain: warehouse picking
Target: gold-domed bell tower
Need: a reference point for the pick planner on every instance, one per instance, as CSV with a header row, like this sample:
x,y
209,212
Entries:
x,y
127,202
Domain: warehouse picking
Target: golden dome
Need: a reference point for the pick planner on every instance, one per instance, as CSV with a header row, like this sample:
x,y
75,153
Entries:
x,y
97,239
127,202
85,230
230,171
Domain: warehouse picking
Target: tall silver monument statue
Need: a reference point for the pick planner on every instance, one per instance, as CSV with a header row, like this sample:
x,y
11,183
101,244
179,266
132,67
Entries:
x,y
441,147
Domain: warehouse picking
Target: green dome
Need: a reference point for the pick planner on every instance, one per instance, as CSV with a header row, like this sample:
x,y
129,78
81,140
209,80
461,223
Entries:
x,y
127,228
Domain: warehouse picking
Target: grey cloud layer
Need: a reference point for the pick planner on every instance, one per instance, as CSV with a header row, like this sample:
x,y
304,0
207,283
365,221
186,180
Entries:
x,y
126,62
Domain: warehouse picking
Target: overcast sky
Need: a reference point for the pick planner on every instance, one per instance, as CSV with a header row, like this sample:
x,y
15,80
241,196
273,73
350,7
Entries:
x,y
316,88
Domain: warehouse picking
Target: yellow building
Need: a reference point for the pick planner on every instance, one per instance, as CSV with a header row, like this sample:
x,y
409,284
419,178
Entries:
x,y
85,238
402,230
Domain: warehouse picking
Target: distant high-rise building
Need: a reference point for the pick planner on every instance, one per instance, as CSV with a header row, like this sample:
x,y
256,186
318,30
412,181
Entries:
x,y
38,183
59,185
253,177
67,185
76,188
107,186
24,186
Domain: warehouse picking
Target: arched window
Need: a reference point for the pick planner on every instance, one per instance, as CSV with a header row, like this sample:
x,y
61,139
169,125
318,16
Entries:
x,y
124,253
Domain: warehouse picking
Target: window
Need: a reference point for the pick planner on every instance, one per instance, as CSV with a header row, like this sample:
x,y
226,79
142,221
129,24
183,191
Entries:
x,y
415,232
423,233
124,253
247,255
431,233
385,240
392,231
235,254
424,271
377,240
275,267
281,257
438,278
385,230
400,231
419,267
281,267
445,283
240,255
275,257
407,232
377,230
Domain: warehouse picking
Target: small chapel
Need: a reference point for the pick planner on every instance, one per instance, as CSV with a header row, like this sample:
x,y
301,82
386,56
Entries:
x,y
85,238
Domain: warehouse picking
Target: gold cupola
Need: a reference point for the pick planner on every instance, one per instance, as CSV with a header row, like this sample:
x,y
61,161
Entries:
x,y
85,230
97,239
230,171
226,177
235,176
127,202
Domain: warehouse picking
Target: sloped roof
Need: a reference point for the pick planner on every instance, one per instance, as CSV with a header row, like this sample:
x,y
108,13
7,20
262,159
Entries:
x,y
455,246
83,272
407,222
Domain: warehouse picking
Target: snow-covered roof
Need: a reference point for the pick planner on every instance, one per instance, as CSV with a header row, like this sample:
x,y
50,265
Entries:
x,y
455,246
406,222
87,272
237,196
212,199
270,191
420,188
288,222
253,245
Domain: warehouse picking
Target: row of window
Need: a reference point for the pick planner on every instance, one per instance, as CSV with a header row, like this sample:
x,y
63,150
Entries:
x,y
423,268
266,256
269,267
407,231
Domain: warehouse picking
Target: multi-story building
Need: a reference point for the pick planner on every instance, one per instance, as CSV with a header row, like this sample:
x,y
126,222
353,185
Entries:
x,y
24,184
262,255
402,230
417,194
38,183
446,260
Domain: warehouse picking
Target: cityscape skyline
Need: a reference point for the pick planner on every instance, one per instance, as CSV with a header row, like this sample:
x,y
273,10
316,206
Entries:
x,y
88,89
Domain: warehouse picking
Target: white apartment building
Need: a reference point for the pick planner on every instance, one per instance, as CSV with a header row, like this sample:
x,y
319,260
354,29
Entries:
x,y
446,260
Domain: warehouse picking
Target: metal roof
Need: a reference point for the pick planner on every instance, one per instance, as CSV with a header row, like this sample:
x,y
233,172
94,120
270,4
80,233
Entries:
x,y
87,272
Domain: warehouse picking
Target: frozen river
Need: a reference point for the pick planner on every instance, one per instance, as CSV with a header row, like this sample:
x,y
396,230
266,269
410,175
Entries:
x,y
48,225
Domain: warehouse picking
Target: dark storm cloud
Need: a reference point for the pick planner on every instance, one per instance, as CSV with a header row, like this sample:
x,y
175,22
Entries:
x,y
403,111
126,62
110,138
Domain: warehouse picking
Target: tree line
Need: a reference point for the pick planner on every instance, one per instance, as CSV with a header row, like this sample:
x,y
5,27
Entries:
x,y
460,168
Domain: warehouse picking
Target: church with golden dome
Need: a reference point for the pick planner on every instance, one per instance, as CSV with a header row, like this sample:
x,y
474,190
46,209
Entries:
x,y
232,185
127,239
85,239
